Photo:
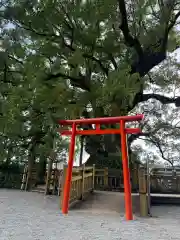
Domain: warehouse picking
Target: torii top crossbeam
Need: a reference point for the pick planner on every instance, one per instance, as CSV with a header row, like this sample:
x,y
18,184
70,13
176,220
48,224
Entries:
x,y
105,120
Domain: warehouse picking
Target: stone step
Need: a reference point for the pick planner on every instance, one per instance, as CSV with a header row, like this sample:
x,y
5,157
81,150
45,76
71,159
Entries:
x,y
39,188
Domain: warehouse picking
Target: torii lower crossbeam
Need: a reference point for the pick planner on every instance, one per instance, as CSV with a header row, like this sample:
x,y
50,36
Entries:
x,y
122,130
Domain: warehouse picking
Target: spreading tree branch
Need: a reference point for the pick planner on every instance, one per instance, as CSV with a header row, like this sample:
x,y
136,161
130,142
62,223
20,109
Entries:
x,y
134,137
173,22
161,98
113,60
140,97
129,40
158,145
78,82
86,55
69,46
151,139
15,59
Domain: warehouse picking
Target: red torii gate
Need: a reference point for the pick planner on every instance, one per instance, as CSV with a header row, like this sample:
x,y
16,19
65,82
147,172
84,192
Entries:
x,y
123,131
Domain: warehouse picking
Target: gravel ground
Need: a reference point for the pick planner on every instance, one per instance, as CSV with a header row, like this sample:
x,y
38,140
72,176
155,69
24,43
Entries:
x,y
31,216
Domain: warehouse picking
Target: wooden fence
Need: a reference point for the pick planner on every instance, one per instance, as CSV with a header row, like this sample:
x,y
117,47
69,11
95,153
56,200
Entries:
x,y
143,193
165,184
101,179
82,183
104,179
53,183
25,180
112,179
86,179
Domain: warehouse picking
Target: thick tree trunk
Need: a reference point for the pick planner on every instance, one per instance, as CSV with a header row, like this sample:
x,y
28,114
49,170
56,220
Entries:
x,y
42,169
9,155
31,162
52,157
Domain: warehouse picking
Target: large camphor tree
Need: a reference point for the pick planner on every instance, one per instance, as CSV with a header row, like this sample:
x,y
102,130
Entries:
x,y
85,59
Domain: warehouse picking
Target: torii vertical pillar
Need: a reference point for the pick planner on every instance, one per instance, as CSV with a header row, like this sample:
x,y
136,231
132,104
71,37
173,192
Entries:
x,y
67,186
126,172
